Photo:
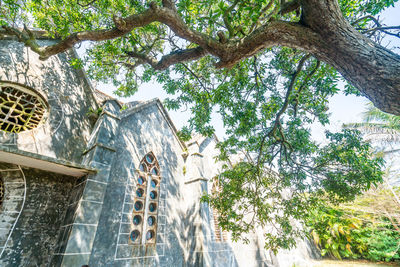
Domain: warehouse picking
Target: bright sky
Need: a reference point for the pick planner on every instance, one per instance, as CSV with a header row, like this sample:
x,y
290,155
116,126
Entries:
x,y
344,109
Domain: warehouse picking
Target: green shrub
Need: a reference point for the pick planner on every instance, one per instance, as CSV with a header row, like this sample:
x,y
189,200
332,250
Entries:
x,y
367,228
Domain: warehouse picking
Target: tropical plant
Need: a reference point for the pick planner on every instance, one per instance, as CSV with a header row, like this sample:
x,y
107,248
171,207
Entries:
x,y
367,228
378,126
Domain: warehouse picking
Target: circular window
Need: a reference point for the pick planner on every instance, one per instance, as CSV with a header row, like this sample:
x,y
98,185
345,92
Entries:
x,y
142,167
138,205
152,207
149,235
149,158
137,219
153,183
154,171
141,180
21,109
140,192
151,220
135,235
153,194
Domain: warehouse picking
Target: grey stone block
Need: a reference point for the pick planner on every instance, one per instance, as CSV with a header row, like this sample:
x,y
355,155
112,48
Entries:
x,y
128,208
103,172
125,228
124,239
88,212
102,155
126,217
125,251
94,191
81,239
107,130
75,260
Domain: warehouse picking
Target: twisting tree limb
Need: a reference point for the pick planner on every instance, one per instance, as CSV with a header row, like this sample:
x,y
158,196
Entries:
x,y
170,59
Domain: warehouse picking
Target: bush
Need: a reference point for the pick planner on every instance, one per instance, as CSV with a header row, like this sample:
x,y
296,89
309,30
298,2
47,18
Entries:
x,y
367,228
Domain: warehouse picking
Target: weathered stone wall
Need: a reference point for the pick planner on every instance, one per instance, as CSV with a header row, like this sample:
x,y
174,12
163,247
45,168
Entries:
x,y
32,213
65,133
141,131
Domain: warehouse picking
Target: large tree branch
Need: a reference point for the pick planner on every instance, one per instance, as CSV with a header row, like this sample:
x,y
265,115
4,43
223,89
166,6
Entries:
x,y
170,59
271,34
165,15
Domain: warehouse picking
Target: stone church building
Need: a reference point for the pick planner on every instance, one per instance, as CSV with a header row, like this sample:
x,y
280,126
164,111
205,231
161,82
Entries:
x,y
85,180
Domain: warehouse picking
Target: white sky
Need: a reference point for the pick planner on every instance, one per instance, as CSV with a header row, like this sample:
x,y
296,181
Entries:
x,y
344,109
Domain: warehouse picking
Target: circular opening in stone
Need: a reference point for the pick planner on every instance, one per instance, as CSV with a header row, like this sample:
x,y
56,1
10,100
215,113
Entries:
x,y
141,180
149,158
139,192
142,167
21,108
151,220
137,219
152,207
135,235
153,194
154,171
153,183
138,205
150,235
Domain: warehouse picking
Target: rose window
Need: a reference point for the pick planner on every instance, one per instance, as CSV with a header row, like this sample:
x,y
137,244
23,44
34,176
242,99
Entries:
x,y
21,109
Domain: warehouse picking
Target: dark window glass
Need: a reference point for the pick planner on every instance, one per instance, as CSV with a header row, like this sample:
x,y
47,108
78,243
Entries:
x,y
149,158
142,167
153,183
135,235
153,194
152,207
154,171
137,219
151,220
138,205
149,235
139,192
141,180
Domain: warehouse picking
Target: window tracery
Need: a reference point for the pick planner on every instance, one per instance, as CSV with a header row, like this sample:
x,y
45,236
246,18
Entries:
x,y
21,109
146,201
220,235
1,191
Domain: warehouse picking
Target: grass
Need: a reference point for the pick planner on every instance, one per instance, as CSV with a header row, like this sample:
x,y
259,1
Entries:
x,y
345,263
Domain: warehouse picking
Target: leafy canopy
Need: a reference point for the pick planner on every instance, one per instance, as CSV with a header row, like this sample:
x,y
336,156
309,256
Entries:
x,y
268,102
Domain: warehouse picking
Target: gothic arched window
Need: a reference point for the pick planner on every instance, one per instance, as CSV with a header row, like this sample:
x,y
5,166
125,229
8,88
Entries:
x,y
1,191
145,207
220,235
21,109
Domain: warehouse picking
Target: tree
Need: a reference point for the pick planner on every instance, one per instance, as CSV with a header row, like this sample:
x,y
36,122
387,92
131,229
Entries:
x,y
267,66
230,31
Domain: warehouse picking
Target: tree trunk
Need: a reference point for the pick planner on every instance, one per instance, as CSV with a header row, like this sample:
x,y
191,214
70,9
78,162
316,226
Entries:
x,y
371,68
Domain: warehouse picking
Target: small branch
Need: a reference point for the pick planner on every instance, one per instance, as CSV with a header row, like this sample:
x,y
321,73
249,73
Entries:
x,y
308,77
277,123
265,9
198,79
226,18
379,27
